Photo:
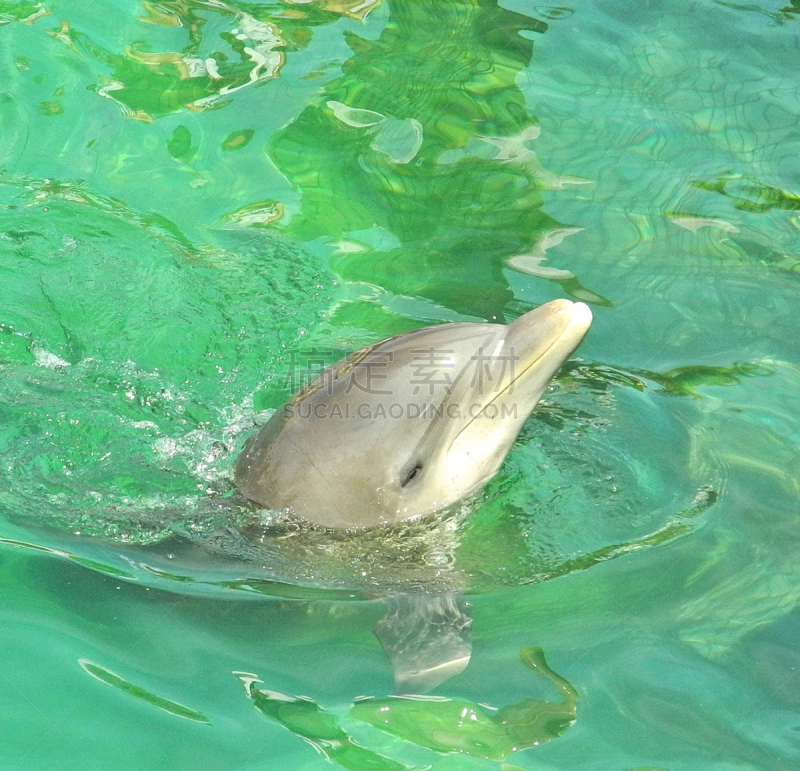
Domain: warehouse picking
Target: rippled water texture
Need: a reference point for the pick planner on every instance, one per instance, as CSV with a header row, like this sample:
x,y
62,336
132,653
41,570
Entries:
x,y
203,201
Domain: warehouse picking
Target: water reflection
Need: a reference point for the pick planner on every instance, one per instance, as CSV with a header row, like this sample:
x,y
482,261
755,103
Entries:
x,y
147,85
435,722
26,12
206,72
105,675
418,164
750,194
781,15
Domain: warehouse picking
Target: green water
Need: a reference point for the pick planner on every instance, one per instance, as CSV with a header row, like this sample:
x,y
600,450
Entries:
x,y
199,200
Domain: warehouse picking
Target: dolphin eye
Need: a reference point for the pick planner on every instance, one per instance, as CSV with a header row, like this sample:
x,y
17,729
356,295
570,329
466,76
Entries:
x,y
411,475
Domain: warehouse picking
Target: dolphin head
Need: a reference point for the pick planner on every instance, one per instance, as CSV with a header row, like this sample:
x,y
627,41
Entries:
x,y
410,425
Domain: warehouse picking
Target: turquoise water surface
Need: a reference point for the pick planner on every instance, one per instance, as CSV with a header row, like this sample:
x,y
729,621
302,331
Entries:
x,y
201,201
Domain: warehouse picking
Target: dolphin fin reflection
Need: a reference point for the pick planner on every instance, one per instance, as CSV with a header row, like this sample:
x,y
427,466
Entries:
x,y
427,639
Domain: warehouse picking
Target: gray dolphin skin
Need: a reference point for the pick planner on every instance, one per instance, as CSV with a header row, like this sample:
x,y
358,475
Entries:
x,y
410,425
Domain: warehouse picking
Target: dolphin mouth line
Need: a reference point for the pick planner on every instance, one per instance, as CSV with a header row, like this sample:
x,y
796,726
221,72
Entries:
x,y
517,377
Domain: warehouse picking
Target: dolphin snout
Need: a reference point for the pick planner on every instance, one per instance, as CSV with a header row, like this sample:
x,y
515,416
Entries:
x,y
559,322
581,314
577,313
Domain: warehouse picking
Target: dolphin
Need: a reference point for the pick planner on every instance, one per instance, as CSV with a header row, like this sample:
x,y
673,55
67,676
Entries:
x,y
410,425
404,428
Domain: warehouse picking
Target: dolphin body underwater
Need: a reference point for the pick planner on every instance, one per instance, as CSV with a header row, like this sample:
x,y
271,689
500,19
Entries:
x,y
402,429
